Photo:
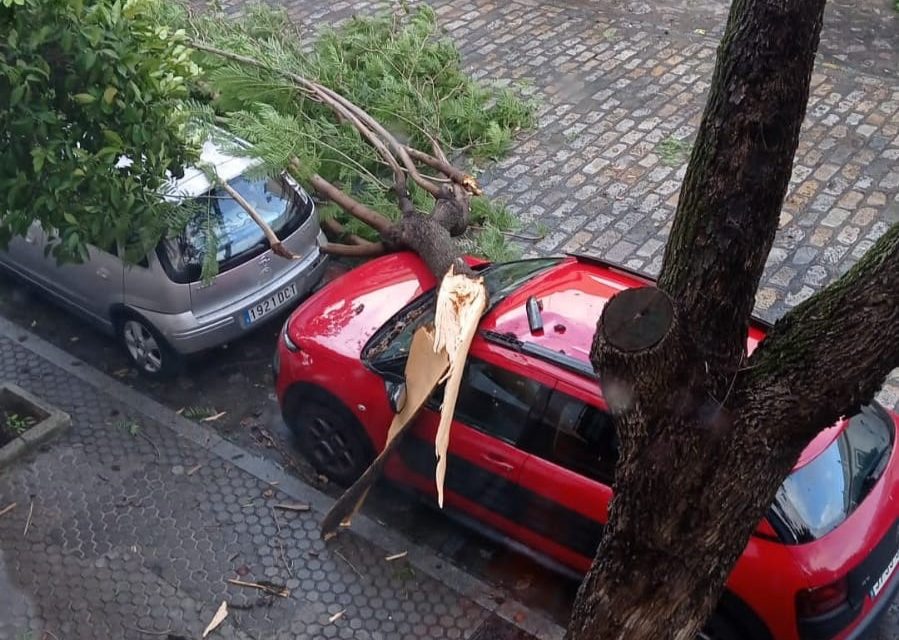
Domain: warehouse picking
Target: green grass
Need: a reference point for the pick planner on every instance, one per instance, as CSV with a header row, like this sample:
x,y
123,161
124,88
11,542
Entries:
x,y
672,151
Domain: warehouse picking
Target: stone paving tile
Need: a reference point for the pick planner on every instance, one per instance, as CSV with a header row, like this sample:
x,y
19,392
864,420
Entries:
x,y
136,528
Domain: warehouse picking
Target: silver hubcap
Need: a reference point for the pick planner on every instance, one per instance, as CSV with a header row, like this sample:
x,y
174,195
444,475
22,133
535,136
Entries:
x,y
142,346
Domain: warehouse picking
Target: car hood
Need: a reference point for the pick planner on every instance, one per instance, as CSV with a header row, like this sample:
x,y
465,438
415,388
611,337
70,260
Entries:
x,y
342,316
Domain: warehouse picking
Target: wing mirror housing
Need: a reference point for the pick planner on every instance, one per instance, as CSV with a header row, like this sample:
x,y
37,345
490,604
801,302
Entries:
x,y
396,395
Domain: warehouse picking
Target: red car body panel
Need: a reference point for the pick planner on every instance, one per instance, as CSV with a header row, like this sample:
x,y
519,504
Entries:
x,y
332,327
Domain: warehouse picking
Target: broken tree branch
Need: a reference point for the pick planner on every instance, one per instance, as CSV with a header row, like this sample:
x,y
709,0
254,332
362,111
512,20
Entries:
x,y
370,250
281,592
443,166
337,230
277,247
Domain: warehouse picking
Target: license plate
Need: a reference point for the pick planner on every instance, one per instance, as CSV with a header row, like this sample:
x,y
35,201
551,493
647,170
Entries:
x,y
267,306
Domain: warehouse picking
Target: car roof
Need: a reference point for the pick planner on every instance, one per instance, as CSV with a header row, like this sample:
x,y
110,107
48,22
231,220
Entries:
x,y
219,153
572,295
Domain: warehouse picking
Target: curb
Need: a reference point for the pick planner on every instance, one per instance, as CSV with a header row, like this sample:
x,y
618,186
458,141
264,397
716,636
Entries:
x,y
421,558
55,422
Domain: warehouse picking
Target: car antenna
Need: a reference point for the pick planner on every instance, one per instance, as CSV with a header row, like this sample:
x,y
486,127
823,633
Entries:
x,y
535,320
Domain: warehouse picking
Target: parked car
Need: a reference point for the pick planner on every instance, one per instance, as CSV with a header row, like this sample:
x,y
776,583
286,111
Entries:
x,y
161,309
532,453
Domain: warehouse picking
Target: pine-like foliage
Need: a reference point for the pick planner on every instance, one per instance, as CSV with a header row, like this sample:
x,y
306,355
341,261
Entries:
x,y
398,67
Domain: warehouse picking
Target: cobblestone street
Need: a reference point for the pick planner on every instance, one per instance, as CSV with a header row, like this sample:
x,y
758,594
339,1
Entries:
x,y
621,90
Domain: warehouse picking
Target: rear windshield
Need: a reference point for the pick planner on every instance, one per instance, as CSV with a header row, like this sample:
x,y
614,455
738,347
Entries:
x,y
389,348
818,497
281,204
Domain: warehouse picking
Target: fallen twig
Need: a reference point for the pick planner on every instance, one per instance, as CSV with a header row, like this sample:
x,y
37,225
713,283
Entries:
x,y
220,414
396,556
28,521
288,507
151,632
150,440
281,592
349,564
280,544
8,508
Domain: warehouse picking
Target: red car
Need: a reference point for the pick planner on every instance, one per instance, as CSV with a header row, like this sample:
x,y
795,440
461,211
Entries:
x,y
533,447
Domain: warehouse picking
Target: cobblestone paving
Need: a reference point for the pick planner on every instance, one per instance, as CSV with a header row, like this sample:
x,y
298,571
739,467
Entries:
x,y
621,91
135,530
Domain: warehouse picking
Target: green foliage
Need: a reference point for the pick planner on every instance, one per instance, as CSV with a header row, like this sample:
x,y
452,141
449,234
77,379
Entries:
x,y
673,151
82,84
398,68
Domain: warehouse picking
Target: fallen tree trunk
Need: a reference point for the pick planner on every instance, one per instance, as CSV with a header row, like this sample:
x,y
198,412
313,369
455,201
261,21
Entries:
x,y
462,296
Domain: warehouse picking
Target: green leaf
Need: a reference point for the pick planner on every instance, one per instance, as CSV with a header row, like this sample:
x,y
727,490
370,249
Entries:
x,y
70,218
109,95
38,155
84,98
16,95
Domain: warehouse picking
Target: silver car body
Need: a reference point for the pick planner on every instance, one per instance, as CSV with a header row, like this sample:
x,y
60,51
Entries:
x,y
191,315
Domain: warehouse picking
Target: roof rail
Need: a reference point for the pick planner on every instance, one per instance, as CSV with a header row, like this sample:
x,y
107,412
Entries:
x,y
581,257
540,352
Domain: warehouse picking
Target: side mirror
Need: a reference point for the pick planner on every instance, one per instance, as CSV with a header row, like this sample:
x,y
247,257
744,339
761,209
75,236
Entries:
x,y
396,395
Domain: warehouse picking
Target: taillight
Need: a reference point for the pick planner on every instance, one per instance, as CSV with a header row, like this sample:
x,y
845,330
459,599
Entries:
x,y
811,603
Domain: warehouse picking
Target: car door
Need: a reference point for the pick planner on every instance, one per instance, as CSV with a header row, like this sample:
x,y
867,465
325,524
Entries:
x,y
25,255
497,401
91,287
568,476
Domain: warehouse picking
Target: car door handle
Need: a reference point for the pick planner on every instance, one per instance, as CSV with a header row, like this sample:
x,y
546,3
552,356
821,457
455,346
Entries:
x,y
103,273
498,461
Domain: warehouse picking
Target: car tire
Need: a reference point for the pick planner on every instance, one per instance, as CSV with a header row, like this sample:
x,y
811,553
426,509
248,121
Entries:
x,y
719,627
331,439
146,349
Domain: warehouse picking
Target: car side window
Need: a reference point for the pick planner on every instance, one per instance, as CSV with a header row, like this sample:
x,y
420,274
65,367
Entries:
x,y
497,401
577,436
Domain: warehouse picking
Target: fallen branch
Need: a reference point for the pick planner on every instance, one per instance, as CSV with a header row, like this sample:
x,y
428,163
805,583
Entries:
x,y
281,592
277,247
335,229
28,521
443,166
292,507
424,369
8,508
371,250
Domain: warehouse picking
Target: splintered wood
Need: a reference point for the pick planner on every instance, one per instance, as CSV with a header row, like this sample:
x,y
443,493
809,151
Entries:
x,y
460,303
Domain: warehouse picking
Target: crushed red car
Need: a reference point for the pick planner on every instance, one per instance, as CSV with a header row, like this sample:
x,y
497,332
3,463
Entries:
x,y
533,447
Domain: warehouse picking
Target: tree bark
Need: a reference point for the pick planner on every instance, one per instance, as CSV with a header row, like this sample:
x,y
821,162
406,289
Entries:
x,y
739,170
701,447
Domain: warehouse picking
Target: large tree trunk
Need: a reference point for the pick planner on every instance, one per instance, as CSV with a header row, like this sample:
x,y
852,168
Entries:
x,y
706,434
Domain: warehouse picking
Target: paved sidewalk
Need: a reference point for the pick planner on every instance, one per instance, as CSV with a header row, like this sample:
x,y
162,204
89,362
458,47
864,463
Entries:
x,y
139,518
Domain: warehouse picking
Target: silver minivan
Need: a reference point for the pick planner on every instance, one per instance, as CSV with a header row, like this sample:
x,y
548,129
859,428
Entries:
x,y
161,308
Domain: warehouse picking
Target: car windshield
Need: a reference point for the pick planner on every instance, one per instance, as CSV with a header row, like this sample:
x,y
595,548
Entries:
x,y
388,349
817,497
282,206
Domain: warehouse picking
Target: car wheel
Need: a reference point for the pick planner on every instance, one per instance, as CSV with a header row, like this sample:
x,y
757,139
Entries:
x,y
719,628
147,349
332,440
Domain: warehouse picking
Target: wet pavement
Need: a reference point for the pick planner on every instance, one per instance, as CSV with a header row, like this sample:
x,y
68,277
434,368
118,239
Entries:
x,y
620,89
136,522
